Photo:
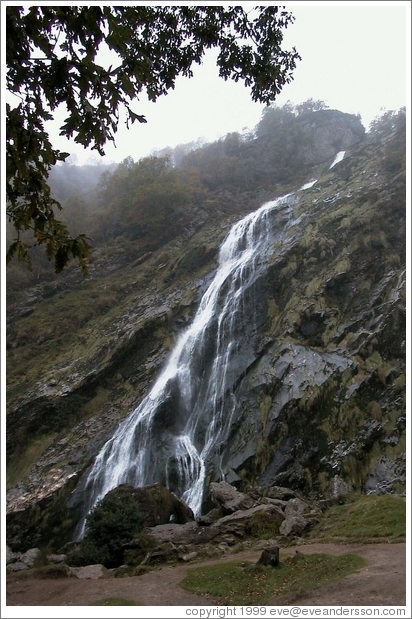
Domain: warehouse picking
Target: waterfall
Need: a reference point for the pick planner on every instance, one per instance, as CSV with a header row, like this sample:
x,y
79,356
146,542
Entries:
x,y
181,424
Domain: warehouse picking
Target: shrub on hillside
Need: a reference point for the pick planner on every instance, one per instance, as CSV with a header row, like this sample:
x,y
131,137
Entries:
x,y
113,522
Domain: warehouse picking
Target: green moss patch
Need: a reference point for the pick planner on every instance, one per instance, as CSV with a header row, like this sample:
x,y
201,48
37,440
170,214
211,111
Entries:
x,y
21,462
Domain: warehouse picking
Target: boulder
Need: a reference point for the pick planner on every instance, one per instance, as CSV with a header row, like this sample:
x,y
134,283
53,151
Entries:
x,y
299,515
247,514
189,533
17,566
211,517
182,513
29,557
228,498
53,558
338,488
293,525
242,523
157,504
11,557
90,572
189,557
276,493
227,529
278,502
279,493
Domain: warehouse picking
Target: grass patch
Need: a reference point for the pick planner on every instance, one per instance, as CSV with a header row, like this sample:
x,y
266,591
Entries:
x,y
264,525
22,461
363,519
237,583
115,601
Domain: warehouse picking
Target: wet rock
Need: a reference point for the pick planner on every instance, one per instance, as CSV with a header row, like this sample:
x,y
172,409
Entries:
x,y
181,510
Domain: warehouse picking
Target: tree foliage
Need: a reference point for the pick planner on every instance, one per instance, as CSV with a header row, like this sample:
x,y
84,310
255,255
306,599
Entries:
x,y
390,128
52,55
114,521
143,199
272,154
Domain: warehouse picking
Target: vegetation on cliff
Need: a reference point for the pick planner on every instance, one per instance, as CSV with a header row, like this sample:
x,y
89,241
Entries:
x,y
113,522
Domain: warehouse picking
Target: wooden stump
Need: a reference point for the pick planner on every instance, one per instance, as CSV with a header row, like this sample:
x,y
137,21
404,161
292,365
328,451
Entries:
x,y
270,556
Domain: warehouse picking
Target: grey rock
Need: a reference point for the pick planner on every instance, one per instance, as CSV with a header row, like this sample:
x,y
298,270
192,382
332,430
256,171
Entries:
x,y
189,557
238,522
210,517
293,525
278,502
384,476
278,492
296,507
11,557
338,488
299,515
29,557
18,566
190,533
54,558
228,498
90,572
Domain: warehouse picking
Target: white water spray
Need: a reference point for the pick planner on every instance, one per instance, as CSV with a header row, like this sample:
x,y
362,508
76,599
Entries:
x,y
180,425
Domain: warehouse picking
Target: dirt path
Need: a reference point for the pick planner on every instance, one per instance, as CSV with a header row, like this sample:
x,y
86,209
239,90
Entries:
x,y
381,582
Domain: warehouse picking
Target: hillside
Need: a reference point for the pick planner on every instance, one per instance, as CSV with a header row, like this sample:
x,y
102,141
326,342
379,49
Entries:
x,y
319,383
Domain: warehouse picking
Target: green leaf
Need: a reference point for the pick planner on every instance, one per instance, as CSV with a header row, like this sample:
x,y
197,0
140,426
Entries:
x,y
50,59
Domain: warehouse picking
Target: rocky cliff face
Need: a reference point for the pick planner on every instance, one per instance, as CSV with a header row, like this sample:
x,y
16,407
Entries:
x,y
325,395
320,385
328,132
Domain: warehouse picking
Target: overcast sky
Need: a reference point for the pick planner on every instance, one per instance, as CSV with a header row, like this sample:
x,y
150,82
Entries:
x,y
355,57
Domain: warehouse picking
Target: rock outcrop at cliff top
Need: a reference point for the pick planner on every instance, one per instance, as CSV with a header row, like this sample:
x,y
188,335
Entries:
x,y
320,389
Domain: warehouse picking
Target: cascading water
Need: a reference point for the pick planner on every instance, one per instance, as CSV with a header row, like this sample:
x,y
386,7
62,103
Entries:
x,y
180,425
